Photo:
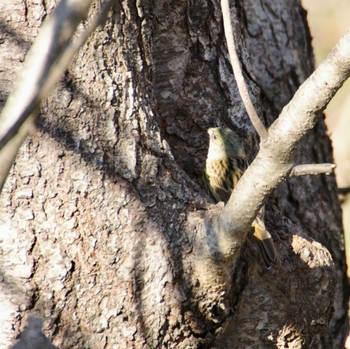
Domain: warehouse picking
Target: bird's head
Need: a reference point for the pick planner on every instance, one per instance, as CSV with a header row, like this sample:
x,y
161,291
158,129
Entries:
x,y
223,143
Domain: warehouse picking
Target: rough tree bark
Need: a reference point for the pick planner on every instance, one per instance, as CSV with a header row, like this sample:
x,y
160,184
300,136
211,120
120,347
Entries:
x,y
105,223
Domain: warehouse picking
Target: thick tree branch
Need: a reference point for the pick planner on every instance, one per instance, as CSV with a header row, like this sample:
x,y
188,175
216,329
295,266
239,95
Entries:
x,y
273,162
235,63
311,169
46,61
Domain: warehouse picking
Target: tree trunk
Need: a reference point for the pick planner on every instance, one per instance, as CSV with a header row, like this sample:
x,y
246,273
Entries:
x,y
107,231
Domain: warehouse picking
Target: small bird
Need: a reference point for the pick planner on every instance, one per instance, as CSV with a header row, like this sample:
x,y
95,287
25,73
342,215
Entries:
x,y
225,164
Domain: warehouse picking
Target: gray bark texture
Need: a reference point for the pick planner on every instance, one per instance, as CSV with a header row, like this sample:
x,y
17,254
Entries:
x,y
107,233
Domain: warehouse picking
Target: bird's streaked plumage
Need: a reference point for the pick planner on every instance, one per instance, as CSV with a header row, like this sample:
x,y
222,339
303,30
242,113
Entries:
x,y
225,164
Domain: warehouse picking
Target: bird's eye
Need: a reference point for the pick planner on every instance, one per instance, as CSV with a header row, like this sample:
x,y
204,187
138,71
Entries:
x,y
215,137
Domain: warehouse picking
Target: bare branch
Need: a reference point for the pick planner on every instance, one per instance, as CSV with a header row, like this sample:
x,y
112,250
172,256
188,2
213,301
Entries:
x,y
274,160
242,87
46,61
311,169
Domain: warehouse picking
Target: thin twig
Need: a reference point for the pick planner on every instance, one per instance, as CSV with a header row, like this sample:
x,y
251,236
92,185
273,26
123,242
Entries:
x,y
311,169
344,190
236,67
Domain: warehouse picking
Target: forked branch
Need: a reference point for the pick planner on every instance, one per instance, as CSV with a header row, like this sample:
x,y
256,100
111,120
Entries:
x,y
298,170
273,163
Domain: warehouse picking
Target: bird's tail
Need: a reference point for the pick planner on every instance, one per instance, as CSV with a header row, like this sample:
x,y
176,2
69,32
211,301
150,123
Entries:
x,y
265,241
